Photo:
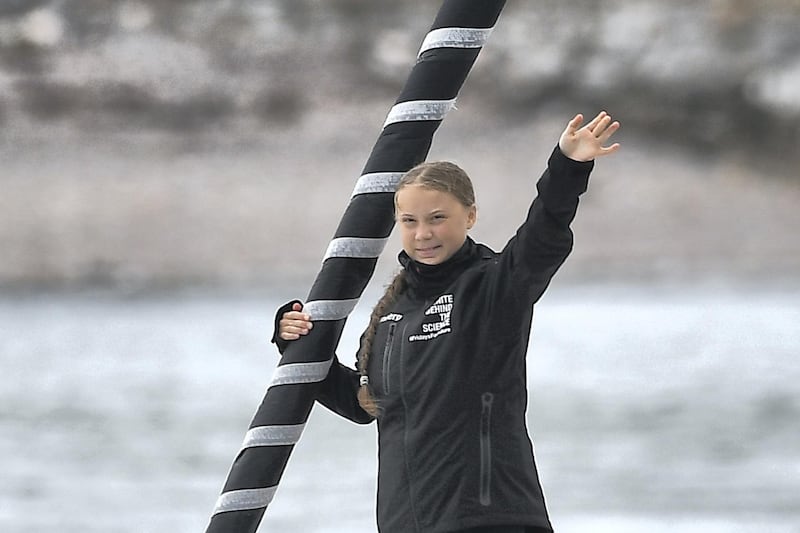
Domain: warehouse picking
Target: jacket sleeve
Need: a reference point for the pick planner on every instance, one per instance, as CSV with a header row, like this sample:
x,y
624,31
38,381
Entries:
x,y
543,242
339,393
339,390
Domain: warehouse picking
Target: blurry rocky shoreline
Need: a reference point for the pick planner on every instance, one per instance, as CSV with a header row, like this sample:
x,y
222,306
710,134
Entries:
x,y
150,144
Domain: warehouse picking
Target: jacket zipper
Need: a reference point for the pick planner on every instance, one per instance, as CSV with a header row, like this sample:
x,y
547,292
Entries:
x,y
387,357
486,449
406,453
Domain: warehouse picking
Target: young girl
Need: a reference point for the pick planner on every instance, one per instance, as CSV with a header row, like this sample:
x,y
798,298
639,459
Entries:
x,y
441,366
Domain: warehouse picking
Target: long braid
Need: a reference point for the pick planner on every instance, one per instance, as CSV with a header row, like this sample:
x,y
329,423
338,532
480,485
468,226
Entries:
x,y
365,397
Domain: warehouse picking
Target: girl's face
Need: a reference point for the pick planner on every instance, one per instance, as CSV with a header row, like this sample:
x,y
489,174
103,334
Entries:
x,y
433,224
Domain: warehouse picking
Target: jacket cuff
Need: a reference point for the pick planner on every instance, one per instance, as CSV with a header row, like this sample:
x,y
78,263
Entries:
x,y
280,343
571,178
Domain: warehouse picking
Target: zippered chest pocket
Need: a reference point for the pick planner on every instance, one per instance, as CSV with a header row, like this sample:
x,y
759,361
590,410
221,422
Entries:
x,y
387,358
487,398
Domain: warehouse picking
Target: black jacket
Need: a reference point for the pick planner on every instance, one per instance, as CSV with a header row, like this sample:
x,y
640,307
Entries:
x,y
448,368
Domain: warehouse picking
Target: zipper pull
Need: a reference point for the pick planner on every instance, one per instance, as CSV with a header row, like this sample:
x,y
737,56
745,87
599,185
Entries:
x,y
486,399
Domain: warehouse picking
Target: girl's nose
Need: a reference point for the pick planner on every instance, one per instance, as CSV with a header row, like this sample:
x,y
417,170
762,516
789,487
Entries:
x,y
423,232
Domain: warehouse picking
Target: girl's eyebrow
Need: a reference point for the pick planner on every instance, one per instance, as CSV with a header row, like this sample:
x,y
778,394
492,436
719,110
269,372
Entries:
x,y
437,211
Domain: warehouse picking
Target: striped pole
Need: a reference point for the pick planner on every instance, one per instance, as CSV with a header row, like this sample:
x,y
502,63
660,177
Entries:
x,y
445,58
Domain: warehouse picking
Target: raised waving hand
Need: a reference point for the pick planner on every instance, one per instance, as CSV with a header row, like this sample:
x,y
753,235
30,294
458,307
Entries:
x,y
588,142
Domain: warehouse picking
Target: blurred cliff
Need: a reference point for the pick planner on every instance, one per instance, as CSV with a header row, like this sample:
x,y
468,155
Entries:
x,y
196,142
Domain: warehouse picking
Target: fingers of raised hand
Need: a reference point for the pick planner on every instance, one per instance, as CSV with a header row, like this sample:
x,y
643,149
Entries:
x,y
597,123
609,149
603,128
575,124
587,142
608,131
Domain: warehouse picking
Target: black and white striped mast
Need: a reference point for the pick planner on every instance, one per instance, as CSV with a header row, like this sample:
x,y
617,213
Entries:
x,y
445,58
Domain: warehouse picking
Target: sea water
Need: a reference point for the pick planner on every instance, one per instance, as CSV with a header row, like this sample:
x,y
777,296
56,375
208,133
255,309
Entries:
x,y
651,410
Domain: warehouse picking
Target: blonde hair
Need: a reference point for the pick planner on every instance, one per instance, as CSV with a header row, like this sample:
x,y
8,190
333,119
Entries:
x,y
441,176
437,175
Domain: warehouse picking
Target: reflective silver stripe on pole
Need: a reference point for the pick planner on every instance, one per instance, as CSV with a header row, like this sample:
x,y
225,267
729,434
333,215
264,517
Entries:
x,y
455,38
419,110
296,373
273,436
242,500
355,247
377,182
329,309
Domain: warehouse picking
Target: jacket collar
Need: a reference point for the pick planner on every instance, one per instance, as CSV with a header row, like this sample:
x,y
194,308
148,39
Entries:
x,y
427,280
